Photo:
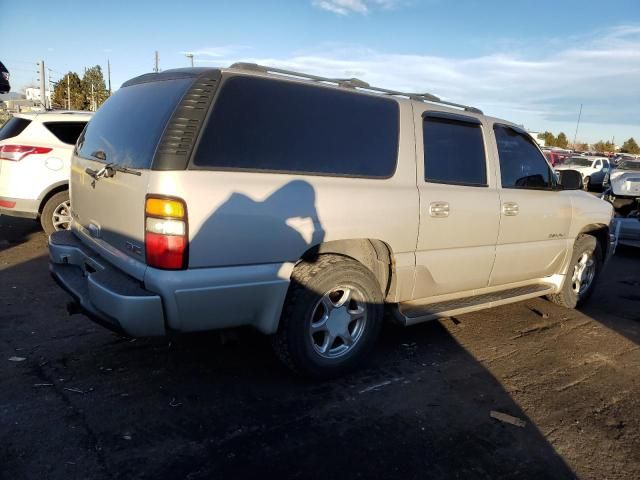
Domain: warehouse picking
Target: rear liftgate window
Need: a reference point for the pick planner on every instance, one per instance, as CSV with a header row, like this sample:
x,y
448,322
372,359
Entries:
x,y
453,150
127,128
276,126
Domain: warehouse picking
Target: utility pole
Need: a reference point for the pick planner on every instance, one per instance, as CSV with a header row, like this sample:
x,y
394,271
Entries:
x,y
50,85
43,93
157,67
190,57
577,125
93,102
68,92
109,75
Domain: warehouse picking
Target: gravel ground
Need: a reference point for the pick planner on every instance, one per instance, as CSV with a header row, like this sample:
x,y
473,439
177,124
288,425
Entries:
x,y
85,403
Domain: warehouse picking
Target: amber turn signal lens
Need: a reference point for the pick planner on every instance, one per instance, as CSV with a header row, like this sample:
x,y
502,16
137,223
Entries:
x,y
160,207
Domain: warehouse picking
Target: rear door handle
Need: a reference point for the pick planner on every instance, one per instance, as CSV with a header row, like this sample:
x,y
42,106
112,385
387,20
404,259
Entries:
x,y
510,209
439,209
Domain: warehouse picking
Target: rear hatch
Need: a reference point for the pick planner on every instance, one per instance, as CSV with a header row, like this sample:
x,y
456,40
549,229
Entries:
x,y
109,210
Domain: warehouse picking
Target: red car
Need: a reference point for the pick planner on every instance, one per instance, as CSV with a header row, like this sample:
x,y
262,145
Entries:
x,y
555,158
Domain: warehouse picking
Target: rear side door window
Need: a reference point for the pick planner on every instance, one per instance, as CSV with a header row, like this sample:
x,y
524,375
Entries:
x,y
521,163
454,150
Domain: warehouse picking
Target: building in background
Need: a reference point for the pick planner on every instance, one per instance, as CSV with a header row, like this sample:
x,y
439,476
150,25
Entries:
x,y
34,94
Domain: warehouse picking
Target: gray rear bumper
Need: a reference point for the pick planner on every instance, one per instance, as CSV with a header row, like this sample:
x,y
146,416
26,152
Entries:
x,y
189,300
104,293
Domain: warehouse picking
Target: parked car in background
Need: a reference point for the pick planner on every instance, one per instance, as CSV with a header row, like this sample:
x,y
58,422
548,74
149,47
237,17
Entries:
x,y
250,211
627,229
35,155
620,157
593,169
5,86
623,186
556,157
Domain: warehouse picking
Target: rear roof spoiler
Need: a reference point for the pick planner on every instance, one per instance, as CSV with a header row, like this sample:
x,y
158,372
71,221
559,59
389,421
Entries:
x,y
173,74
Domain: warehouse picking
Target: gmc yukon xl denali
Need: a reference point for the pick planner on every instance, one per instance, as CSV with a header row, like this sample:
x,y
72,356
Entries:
x,y
302,206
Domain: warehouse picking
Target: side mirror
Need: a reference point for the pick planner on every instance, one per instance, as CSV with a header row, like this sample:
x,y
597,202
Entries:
x,y
570,179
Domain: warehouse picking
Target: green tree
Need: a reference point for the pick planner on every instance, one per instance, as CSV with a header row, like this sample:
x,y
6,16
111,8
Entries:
x,y
93,87
630,146
561,140
603,146
549,139
61,94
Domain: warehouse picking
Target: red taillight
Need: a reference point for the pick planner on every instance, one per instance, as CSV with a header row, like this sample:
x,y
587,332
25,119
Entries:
x,y
165,251
15,153
166,237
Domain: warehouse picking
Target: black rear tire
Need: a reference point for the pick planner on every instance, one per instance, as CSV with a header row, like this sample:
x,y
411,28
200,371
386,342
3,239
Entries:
x,y
310,283
48,211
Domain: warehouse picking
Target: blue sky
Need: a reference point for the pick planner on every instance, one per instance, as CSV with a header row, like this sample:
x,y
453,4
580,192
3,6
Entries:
x,y
532,62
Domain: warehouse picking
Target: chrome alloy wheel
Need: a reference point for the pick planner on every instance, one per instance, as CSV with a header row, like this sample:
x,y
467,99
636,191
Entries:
x,y
61,217
583,273
338,322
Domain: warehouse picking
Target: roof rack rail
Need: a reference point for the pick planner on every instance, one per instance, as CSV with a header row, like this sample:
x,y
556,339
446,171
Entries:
x,y
353,83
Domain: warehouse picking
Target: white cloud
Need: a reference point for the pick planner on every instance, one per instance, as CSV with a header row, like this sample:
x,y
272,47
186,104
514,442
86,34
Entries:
x,y
345,7
542,92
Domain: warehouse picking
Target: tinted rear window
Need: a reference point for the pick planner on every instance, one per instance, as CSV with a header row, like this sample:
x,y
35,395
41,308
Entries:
x,y
270,125
13,127
66,132
128,126
453,152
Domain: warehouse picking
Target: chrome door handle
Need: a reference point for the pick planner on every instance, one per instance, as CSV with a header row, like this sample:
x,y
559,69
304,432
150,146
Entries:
x,y
510,209
439,209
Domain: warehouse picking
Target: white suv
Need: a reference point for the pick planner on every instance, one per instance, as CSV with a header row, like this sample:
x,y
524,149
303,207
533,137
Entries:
x,y
35,154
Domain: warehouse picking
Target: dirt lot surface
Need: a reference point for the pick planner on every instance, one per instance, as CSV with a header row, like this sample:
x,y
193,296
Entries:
x,y
85,403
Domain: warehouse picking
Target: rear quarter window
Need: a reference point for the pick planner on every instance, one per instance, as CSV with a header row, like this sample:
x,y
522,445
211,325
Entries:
x,y
66,132
14,127
269,125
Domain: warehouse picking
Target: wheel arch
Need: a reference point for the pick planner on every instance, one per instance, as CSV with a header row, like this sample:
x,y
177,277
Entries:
x,y
50,192
376,255
601,232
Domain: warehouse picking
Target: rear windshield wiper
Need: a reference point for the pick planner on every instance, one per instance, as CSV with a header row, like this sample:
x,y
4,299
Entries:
x,y
112,168
109,170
